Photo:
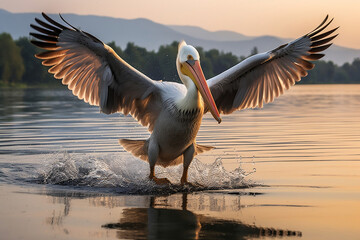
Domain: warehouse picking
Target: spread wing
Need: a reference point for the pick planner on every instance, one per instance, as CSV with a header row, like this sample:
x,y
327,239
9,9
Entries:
x,y
95,73
264,76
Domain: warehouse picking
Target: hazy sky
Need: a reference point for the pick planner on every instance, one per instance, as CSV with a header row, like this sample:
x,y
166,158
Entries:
x,y
284,18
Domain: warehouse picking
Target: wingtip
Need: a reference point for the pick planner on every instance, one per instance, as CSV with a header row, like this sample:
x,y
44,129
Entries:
x,y
326,17
67,22
320,28
64,20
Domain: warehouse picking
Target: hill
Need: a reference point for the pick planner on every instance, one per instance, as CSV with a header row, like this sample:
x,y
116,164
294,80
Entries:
x,y
152,35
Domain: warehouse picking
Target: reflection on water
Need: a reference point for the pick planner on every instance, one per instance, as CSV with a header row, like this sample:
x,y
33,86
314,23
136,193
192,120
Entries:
x,y
162,223
152,223
168,217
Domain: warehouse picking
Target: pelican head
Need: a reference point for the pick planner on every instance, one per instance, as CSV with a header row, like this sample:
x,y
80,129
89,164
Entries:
x,y
191,74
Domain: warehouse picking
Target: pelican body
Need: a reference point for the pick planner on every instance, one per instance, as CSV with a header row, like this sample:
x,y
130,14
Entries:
x,y
171,111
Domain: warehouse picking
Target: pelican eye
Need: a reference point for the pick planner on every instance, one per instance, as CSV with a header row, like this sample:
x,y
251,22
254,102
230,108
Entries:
x,y
189,57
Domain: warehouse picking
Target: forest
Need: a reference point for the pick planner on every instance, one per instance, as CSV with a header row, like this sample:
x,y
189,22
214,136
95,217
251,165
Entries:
x,y
19,67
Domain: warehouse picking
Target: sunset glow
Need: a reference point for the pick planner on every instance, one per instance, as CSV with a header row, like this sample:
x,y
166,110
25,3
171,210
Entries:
x,y
253,18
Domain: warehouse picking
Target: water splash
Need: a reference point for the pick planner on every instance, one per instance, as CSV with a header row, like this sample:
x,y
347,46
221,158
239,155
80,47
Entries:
x,y
126,174
247,173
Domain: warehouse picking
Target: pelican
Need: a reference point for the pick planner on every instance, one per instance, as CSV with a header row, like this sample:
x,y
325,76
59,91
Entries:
x,y
172,112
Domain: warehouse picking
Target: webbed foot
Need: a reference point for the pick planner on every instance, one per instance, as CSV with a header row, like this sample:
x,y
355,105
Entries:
x,y
160,181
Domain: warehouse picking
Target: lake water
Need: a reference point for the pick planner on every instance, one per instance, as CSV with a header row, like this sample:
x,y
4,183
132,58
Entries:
x,y
290,170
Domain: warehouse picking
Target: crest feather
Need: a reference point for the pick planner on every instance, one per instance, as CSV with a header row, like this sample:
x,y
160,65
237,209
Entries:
x,y
181,44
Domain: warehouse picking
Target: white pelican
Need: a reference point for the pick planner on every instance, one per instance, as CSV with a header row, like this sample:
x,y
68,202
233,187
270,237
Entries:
x,y
171,111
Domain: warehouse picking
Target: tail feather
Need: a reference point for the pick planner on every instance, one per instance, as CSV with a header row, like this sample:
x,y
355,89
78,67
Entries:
x,y
137,147
202,148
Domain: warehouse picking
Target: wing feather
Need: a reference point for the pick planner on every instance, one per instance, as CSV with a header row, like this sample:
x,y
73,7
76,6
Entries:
x,y
53,61
95,73
264,76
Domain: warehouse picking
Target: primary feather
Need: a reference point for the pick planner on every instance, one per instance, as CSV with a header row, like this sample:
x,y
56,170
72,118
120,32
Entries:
x,y
262,77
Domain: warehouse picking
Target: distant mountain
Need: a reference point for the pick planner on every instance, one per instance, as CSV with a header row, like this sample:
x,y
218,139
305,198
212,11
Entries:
x,y
142,32
203,34
151,35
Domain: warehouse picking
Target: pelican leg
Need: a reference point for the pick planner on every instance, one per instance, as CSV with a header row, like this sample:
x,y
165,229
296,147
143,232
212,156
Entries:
x,y
153,153
188,157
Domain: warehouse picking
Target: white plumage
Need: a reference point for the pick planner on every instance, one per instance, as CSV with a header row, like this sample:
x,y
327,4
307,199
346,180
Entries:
x,y
171,111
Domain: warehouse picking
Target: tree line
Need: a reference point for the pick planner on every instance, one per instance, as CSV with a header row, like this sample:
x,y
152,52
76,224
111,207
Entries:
x,y
18,66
